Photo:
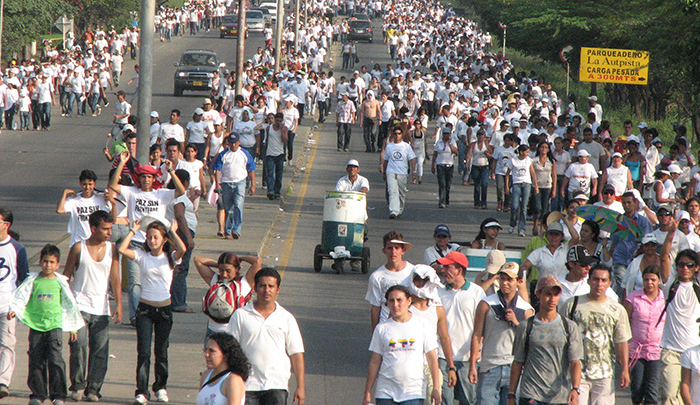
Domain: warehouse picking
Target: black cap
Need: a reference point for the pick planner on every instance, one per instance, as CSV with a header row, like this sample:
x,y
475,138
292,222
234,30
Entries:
x,y
580,254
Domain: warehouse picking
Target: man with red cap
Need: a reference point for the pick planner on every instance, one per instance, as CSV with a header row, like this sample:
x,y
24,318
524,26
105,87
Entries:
x,y
460,297
141,202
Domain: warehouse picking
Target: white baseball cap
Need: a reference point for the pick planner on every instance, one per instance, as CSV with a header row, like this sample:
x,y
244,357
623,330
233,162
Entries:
x,y
583,153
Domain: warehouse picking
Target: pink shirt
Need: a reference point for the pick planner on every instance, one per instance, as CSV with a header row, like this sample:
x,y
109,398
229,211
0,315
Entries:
x,y
646,334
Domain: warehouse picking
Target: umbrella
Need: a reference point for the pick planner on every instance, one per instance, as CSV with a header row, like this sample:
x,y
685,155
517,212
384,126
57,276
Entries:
x,y
611,221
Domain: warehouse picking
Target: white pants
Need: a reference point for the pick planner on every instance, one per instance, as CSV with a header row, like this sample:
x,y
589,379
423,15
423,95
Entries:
x,y
396,186
7,348
597,392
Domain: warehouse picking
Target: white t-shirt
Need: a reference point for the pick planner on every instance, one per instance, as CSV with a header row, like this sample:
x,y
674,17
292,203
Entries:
x,y
460,309
445,156
268,343
691,360
246,131
168,130
502,156
380,281
681,327
402,347
156,275
193,168
142,203
520,170
80,209
398,155
563,161
198,133
618,178
580,176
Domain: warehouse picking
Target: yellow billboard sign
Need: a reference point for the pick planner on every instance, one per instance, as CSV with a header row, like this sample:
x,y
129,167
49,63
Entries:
x,y
605,65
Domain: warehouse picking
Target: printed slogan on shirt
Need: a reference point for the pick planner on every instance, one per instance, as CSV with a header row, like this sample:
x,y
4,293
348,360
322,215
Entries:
x,y
603,65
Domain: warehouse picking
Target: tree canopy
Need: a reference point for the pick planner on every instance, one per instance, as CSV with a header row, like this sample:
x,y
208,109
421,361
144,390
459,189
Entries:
x,y
668,29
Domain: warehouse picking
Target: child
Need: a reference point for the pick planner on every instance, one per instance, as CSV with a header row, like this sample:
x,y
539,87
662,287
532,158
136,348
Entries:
x,y
45,304
25,109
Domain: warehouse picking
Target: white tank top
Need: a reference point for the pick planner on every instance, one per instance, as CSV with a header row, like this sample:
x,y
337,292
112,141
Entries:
x,y
618,179
479,155
215,145
212,394
90,282
668,190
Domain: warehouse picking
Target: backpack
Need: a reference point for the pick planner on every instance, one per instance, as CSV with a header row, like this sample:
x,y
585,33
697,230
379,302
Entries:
x,y
672,294
222,299
531,322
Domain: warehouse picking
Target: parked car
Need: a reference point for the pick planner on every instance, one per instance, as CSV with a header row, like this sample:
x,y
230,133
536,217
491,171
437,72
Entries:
x,y
271,7
255,20
229,26
360,30
195,70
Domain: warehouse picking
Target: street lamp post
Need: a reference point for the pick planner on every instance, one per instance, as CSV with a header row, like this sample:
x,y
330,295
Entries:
x,y
240,56
145,90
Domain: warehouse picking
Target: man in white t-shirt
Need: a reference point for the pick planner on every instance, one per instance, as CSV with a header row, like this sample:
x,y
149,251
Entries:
x,y
270,337
142,202
398,156
682,310
460,297
580,175
393,272
80,206
172,129
598,157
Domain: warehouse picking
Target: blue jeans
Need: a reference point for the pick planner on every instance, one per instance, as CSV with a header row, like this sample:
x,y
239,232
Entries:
x,y
520,194
95,335
233,196
269,397
385,401
492,386
178,288
644,381
45,114
133,281
275,167
480,174
150,320
464,391
24,119
618,273
558,201
461,165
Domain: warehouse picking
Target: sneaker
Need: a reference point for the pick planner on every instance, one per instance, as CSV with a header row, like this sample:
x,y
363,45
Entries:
x,y
140,400
92,397
58,402
162,395
234,235
521,234
510,229
75,396
392,216
35,401
270,196
4,391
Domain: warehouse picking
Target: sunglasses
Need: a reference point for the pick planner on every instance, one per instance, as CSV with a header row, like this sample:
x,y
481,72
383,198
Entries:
x,y
664,214
609,192
689,265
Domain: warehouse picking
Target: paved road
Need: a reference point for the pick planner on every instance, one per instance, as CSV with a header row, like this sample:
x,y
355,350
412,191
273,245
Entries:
x,y
333,316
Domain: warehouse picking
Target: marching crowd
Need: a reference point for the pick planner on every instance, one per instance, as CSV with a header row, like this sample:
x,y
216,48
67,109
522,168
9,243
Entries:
x,y
547,330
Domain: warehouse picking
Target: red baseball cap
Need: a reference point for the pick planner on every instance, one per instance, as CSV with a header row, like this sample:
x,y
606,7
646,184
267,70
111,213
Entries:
x,y
454,257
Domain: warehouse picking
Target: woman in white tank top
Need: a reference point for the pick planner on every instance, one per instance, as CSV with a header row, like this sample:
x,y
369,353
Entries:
x,y
618,175
223,382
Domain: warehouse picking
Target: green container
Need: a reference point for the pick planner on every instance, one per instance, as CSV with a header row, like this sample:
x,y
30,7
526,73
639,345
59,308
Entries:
x,y
344,216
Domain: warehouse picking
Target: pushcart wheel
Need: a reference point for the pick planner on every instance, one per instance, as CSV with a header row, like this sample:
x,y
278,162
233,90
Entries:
x,y
365,260
318,259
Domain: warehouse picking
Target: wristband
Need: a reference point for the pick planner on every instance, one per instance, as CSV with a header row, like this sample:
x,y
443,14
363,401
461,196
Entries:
x,y
452,369
132,230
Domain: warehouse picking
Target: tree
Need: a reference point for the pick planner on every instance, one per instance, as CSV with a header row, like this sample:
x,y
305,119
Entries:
x,y
27,20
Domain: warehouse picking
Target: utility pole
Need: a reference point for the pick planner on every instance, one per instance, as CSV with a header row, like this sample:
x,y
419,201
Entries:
x,y
145,90
2,15
296,25
240,56
279,28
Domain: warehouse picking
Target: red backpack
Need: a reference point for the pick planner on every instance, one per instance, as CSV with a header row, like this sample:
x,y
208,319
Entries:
x,y
222,299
